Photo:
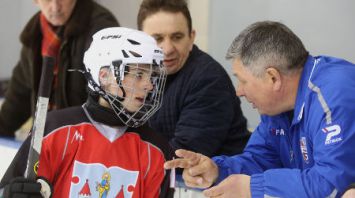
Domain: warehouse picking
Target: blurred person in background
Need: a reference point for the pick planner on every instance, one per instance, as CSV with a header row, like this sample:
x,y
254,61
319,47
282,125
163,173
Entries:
x,y
62,29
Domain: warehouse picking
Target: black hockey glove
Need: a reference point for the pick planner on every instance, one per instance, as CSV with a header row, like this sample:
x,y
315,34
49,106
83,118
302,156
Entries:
x,y
21,187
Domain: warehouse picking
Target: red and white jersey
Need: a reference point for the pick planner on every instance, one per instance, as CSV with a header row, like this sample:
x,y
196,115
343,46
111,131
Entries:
x,y
80,160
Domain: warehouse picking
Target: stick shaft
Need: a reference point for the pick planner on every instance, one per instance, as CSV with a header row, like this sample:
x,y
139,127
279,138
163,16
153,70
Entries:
x,y
40,117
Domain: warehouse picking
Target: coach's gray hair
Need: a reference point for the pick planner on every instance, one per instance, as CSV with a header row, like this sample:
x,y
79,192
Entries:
x,y
267,43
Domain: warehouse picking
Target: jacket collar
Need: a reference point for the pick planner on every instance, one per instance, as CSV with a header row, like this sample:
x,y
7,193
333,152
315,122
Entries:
x,y
302,88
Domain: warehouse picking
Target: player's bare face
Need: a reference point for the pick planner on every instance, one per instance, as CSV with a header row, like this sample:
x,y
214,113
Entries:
x,y
136,84
57,12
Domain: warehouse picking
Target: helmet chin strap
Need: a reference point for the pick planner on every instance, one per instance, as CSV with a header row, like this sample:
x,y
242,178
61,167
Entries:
x,y
124,115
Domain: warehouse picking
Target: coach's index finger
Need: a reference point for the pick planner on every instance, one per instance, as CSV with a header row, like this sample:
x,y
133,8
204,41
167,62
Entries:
x,y
187,159
177,163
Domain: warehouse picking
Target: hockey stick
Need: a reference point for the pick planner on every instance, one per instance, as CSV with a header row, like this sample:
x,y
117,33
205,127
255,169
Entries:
x,y
37,131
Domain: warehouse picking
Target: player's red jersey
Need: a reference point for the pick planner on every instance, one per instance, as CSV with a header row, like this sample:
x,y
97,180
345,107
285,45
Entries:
x,y
79,155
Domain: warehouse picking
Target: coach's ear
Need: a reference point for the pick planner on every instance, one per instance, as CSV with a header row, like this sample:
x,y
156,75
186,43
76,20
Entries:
x,y
274,77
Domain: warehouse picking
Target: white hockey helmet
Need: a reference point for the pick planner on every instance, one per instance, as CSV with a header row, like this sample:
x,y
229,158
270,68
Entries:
x,y
120,49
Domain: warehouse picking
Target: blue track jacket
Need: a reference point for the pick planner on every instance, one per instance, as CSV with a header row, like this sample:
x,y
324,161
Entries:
x,y
314,156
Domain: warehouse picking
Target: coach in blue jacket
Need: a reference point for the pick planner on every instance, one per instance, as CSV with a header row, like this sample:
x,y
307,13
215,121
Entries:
x,y
304,145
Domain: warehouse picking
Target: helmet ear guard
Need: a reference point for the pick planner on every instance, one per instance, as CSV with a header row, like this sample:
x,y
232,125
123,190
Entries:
x,y
119,72
121,50
119,69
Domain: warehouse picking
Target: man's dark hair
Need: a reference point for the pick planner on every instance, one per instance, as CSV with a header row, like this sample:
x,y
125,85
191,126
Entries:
x,y
149,7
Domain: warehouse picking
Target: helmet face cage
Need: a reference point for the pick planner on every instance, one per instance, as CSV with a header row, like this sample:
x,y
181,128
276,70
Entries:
x,y
150,98
135,62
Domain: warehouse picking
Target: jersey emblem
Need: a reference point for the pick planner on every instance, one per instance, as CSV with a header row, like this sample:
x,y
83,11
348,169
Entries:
x,y
303,145
103,187
333,134
97,180
77,137
277,132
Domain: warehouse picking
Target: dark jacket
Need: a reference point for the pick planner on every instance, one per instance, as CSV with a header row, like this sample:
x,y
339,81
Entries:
x,y
200,109
88,17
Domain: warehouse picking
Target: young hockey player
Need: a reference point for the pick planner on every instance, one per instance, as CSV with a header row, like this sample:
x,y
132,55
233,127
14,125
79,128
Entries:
x,y
101,149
